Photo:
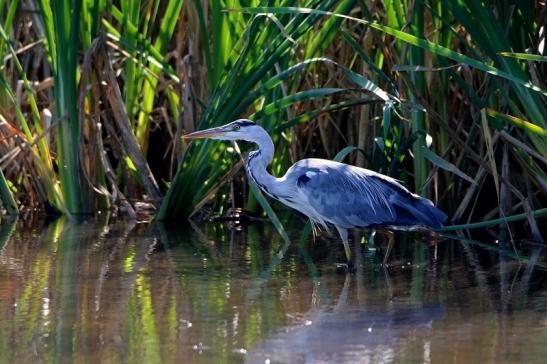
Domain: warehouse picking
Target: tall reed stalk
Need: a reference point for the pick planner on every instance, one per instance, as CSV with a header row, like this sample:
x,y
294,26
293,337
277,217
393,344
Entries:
x,y
417,58
62,23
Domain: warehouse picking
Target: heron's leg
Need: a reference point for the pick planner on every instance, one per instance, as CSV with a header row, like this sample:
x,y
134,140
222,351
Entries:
x,y
390,242
344,235
348,253
372,236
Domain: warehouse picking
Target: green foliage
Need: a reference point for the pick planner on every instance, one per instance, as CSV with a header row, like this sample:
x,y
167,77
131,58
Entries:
x,y
62,19
7,197
434,93
263,45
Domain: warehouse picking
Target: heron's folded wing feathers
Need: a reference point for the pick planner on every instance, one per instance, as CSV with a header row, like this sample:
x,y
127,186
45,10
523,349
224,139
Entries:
x,y
346,196
350,196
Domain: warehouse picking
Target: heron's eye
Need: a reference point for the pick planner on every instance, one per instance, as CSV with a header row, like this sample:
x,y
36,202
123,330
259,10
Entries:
x,y
236,127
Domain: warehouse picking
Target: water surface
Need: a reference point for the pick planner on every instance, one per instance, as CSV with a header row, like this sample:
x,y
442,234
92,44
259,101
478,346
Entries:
x,y
147,293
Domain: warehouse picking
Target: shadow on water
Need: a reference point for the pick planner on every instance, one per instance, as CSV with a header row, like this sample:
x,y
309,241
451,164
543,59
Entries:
x,y
89,292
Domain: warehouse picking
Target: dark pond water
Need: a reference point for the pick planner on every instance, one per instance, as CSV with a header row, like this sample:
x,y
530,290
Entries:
x,y
89,293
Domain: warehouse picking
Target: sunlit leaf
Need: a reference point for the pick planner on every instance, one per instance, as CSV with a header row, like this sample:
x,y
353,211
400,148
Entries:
x,y
525,56
521,123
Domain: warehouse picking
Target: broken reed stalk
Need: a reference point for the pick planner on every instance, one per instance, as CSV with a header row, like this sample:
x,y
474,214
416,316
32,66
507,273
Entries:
x,y
89,74
111,94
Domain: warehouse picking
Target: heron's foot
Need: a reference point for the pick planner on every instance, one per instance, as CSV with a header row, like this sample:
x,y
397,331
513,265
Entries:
x,y
348,267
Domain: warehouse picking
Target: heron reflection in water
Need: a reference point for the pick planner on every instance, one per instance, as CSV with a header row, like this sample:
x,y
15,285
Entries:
x,y
331,193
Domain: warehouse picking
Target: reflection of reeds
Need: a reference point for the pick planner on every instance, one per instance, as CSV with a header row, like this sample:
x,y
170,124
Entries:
x,y
122,292
6,230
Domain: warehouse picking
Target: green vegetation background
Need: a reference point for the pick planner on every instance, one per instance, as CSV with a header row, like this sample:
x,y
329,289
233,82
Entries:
x,y
447,96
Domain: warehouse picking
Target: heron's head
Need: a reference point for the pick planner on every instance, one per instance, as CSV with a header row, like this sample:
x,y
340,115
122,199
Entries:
x,y
241,129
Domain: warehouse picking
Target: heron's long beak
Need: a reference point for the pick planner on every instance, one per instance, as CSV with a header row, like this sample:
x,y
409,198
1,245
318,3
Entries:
x,y
202,134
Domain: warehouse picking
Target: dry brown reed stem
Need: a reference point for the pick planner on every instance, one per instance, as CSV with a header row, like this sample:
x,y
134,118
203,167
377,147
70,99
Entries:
x,y
111,95
362,133
470,193
523,146
505,197
30,168
109,172
16,161
89,74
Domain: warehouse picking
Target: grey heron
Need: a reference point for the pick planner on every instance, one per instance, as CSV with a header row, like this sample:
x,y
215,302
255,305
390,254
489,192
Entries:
x,y
329,192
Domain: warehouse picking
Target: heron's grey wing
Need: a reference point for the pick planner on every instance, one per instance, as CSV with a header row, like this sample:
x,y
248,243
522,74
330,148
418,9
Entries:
x,y
344,195
348,196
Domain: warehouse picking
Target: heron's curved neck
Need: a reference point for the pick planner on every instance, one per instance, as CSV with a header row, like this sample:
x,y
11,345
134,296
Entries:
x,y
258,161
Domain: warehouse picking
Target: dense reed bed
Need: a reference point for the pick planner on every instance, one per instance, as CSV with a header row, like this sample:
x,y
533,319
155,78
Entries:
x,y
447,96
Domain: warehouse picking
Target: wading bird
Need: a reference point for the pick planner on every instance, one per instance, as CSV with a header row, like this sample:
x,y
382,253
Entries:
x,y
329,192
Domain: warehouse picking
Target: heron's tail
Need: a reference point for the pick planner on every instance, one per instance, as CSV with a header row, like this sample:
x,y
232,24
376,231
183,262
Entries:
x,y
419,211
